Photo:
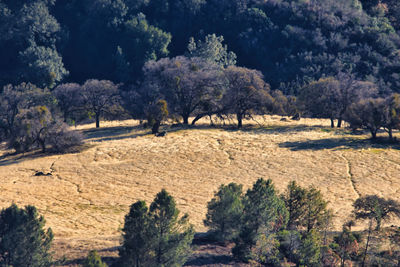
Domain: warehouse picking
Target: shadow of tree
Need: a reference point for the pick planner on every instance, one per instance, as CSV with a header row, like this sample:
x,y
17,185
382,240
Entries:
x,y
111,133
340,143
13,158
210,260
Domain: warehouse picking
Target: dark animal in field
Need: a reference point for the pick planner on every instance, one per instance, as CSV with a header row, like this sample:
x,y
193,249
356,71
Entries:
x,y
161,134
296,117
43,174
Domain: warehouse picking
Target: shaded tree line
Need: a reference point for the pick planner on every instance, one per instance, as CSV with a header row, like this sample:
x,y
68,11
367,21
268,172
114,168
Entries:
x,y
295,227
291,42
344,98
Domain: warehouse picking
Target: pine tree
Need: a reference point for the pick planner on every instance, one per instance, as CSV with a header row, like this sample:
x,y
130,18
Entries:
x,y
138,237
310,249
295,203
156,237
225,211
23,241
264,213
173,234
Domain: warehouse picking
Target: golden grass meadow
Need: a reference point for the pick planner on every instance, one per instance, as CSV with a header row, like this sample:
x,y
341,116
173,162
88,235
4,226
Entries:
x,y
88,193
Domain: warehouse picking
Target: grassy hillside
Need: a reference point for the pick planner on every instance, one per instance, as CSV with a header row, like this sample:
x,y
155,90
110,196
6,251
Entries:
x,y
86,194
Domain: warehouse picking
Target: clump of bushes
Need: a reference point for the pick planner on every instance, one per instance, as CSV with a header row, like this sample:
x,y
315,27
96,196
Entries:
x,y
36,127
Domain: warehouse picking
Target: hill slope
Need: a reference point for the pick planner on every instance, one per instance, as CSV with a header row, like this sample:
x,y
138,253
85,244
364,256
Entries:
x,y
87,195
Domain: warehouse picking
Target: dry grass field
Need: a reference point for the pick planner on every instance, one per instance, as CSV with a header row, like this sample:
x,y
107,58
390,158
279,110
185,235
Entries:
x,y
87,195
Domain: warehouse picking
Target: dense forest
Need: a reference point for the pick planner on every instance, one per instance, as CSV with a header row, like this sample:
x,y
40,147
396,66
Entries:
x,y
291,42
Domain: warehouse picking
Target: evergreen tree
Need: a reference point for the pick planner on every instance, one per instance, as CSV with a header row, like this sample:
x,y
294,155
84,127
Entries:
x,y
224,212
156,237
264,213
212,50
307,208
173,235
138,237
310,249
315,208
23,239
295,203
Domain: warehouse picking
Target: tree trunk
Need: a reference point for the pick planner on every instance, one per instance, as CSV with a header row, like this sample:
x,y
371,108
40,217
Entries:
x,y
332,123
42,145
185,119
366,246
373,133
156,127
240,120
390,132
65,116
97,120
198,117
339,123
378,224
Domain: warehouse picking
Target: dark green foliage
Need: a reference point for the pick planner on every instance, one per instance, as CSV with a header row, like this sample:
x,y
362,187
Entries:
x,y
139,43
376,208
307,209
264,214
94,260
212,50
23,239
156,237
28,35
173,234
295,198
224,212
310,249
290,243
315,209
108,40
290,42
138,237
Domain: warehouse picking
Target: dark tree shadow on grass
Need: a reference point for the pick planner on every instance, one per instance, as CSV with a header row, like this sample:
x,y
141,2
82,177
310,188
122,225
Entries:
x,y
112,133
13,157
340,143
